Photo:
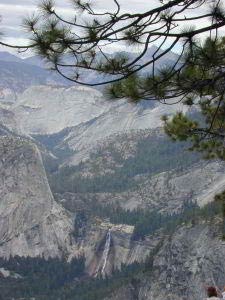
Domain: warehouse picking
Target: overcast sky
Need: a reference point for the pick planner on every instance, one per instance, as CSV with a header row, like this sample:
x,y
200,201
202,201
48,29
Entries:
x,y
13,11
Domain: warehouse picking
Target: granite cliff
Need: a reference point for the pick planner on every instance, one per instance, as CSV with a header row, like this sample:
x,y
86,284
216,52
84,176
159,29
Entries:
x,y
33,224
186,262
88,138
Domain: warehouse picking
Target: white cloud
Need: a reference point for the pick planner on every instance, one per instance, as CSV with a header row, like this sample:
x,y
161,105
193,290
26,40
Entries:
x,y
13,13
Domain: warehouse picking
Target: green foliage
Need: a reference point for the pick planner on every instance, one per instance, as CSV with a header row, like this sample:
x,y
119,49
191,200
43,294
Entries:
x,y
38,277
47,6
92,34
154,154
203,74
132,35
80,224
197,82
179,127
112,64
147,222
55,279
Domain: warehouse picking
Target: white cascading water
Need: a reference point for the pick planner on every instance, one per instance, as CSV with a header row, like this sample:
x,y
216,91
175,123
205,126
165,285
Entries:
x,y
106,251
105,255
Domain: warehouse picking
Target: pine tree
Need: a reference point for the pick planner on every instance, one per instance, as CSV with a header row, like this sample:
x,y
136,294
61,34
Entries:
x,y
196,78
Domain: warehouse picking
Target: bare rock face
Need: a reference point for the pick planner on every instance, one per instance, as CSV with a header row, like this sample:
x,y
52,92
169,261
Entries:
x,y
7,119
165,192
192,259
31,222
188,261
50,109
90,118
107,246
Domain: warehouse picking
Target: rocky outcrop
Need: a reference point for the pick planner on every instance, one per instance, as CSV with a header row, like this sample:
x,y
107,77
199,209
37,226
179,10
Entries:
x,y
189,260
16,75
165,192
118,117
50,109
8,119
106,246
31,222
90,118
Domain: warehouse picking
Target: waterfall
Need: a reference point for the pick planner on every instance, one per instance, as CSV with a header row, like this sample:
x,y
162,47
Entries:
x,y
105,255
106,251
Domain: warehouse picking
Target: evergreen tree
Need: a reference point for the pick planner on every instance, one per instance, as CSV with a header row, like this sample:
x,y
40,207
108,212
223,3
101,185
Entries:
x,y
196,78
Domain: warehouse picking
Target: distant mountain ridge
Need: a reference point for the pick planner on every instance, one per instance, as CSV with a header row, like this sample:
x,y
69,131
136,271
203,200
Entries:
x,y
8,57
85,75
16,75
